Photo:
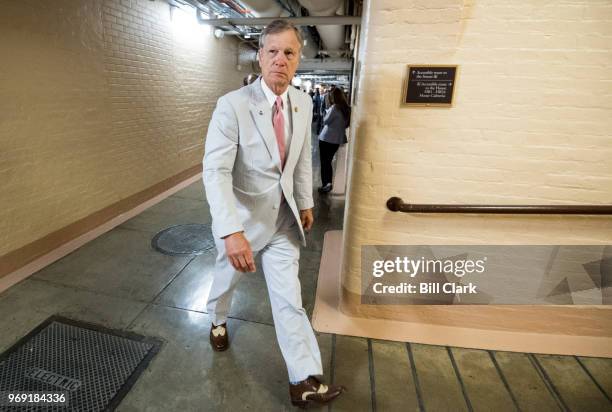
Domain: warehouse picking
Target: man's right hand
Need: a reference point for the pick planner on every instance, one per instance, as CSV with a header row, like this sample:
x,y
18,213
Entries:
x,y
239,252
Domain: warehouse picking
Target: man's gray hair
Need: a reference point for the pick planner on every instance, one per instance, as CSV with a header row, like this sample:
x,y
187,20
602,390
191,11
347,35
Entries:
x,y
279,26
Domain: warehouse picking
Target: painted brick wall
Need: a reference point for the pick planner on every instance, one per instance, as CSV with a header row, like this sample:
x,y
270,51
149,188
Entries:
x,y
531,123
101,99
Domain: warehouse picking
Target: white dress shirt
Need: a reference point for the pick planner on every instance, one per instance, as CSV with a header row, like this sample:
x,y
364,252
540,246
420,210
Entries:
x,y
286,111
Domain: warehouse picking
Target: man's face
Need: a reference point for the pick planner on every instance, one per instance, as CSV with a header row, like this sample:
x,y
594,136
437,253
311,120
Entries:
x,y
279,59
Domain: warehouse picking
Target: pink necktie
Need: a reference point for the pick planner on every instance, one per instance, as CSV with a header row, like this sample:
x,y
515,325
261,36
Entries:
x,y
278,121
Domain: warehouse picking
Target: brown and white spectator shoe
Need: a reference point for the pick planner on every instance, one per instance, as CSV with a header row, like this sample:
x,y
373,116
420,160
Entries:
x,y
218,337
312,391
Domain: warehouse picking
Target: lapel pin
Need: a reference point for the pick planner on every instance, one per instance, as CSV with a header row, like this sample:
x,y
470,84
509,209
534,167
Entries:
x,y
295,110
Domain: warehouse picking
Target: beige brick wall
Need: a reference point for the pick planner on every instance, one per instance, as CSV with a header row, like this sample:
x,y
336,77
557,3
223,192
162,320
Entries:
x,y
101,99
531,123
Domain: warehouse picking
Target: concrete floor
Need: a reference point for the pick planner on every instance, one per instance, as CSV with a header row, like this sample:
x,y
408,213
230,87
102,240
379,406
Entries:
x,y
120,282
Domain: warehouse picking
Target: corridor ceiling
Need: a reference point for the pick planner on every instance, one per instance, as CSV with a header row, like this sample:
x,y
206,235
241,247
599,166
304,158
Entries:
x,y
329,27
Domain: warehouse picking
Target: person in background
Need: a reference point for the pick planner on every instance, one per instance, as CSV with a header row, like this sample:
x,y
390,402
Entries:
x,y
316,109
327,100
250,78
336,120
325,105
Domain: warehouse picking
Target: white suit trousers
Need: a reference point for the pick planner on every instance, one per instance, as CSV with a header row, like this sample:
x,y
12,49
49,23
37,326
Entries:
x,y
280,261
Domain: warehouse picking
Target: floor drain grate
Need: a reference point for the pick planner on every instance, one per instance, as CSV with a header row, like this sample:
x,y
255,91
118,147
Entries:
x,y
93,367
182,240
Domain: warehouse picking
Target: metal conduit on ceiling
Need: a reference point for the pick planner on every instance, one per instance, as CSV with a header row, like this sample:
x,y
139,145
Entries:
x,y
322,22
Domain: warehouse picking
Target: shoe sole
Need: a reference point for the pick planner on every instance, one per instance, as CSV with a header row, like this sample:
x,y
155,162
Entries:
x,y
217,349
300,404
313,403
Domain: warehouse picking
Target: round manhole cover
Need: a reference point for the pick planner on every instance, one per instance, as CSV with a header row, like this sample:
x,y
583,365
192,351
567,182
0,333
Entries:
x,y
181,240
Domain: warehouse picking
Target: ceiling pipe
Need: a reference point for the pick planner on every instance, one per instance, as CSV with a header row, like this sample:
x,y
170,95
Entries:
x,y
194,3
296,21
269,10
231,4
265,8
333,65
331,36
333,53
186,5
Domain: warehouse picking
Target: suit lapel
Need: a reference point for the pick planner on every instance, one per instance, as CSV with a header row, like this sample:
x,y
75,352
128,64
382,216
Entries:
x,y
298,115
262,116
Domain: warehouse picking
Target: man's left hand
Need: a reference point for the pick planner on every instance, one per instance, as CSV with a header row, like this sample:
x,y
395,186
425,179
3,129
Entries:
x,y
307,219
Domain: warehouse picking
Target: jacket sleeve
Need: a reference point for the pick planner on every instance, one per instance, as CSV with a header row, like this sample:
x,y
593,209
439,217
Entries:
x,y
302,177
333,117
328,116
219,156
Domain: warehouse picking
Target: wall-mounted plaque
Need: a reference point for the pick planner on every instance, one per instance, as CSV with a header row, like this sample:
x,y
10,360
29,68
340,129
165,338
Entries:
x,y
430,85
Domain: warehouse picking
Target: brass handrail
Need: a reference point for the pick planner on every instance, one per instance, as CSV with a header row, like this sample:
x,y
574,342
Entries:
x,y
395,204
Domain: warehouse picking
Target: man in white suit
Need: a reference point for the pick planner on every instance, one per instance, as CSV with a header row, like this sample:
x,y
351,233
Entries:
x,y
258,180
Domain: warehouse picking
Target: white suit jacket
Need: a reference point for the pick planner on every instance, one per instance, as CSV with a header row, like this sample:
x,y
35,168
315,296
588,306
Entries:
x,y
242,171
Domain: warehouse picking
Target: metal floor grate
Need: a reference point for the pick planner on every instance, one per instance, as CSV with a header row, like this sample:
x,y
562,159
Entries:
x,y
93,366
182,240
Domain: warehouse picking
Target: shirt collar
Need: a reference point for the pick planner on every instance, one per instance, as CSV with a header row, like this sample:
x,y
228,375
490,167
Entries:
x,y
271,97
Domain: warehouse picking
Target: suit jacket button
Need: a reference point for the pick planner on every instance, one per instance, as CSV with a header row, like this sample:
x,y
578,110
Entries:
x,y
275,207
